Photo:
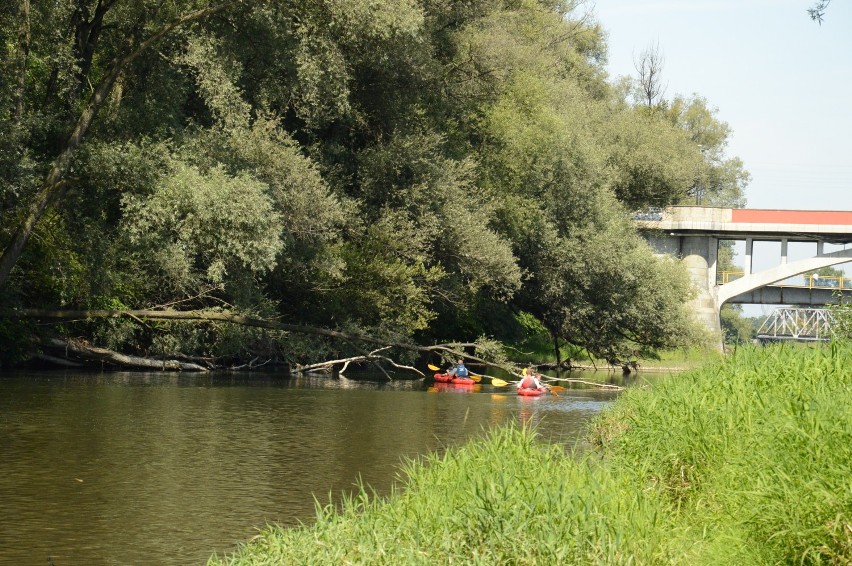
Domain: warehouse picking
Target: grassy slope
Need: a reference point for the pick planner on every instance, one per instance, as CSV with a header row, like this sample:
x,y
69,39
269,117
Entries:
x,y
743,462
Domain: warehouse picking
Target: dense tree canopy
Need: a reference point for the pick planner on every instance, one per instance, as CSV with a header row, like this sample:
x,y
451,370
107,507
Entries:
x,y
422,169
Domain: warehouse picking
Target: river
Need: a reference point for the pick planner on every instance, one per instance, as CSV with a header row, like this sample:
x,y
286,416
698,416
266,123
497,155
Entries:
x,y
154,468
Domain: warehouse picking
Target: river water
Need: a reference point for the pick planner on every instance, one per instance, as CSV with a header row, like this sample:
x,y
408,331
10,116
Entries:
x,y
154,468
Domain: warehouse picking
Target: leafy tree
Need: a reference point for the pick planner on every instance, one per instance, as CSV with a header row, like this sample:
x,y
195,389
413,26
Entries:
x,y
719,180
413,169
736,328
75,67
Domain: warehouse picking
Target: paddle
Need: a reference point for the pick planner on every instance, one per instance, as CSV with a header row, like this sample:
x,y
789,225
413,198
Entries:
x,y
476,378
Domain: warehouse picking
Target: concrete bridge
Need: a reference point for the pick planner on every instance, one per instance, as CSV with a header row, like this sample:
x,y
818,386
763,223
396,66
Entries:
x,y
692,234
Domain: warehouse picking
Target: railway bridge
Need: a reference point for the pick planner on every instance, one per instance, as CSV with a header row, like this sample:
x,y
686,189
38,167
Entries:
x,y
692,234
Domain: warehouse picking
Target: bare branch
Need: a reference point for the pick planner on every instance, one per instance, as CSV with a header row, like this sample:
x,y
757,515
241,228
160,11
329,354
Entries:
x,y
817,13
649,67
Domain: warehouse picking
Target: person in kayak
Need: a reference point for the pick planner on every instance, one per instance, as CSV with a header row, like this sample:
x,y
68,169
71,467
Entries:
x,y
459,370
529,380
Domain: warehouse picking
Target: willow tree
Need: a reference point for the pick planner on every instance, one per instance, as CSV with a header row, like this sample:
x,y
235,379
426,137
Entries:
x,y
79,84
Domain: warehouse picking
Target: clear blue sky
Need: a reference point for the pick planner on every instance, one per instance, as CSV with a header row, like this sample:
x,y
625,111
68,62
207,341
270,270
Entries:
x,y
782,82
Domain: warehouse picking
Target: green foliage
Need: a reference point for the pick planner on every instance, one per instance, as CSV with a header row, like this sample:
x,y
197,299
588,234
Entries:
x,y
395,166
736,328
196,227
654,163
755,448
386,280
601,287
842,313
15,340
718,180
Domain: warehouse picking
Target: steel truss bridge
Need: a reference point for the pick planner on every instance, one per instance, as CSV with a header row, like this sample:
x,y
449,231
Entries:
x,y
803,324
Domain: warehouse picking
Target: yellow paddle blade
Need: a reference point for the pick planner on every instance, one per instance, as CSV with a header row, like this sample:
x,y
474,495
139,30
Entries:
x,y
476,378
557,388
498,382
433,368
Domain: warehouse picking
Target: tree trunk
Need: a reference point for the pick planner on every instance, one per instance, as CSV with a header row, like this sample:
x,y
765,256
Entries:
x,y
22,58
75,349
86,34
558,355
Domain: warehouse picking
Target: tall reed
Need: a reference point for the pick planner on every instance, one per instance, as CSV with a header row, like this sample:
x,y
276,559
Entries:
x,y
758,447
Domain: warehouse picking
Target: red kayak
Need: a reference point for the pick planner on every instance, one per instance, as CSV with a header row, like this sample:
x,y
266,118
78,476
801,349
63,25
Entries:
x,y
456,387
532,392
447,378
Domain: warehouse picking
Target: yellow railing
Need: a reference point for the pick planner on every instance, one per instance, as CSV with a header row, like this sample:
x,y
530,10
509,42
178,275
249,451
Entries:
x,y
728,276
809,281
829,281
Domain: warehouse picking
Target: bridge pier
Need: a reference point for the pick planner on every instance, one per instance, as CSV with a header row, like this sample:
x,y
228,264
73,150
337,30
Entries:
x,y
699,255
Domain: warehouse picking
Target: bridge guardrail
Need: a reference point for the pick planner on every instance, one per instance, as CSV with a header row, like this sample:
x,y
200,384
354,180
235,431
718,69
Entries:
x,y
806,281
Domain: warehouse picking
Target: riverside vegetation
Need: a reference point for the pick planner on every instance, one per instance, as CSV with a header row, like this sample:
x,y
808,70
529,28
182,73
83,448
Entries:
x,y
744,461
416,171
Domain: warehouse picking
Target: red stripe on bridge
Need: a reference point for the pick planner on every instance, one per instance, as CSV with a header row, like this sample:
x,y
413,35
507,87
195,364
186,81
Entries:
x,y
759,216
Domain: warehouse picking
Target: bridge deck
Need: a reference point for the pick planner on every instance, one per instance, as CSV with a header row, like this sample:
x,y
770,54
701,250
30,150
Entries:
x,y
733,223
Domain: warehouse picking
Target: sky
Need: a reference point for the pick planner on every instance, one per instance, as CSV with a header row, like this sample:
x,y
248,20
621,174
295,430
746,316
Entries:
x,y
782,82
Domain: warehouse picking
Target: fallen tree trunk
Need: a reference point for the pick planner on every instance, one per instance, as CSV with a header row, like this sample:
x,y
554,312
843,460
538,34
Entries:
x,y
78,350
215,316
211,316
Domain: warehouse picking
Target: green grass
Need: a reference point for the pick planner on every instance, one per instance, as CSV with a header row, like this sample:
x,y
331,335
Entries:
x,y
691,358
746,461
758,447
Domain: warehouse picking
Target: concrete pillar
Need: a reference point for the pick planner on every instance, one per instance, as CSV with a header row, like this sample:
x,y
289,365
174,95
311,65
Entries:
x,y
748,252
783,251
699,255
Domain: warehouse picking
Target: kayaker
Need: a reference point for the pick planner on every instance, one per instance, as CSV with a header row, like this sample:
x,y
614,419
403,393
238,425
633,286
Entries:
x,y
529,380
459,370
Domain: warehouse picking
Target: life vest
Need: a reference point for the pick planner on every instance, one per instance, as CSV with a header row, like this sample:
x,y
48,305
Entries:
x,y
528,382
461,371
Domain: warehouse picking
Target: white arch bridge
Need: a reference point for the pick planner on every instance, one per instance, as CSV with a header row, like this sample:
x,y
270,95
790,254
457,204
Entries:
x,y
692,234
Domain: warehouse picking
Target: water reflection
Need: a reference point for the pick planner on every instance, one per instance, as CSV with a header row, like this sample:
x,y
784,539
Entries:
x,y
133,468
